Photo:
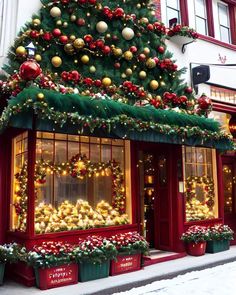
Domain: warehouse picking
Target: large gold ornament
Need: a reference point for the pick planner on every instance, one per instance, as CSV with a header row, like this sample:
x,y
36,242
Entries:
x,y
79,43
20,50
38,57
154,84
142,74
150,63
69,48
36,22
117,51
85,59
56,61
106,81
128,55
146,50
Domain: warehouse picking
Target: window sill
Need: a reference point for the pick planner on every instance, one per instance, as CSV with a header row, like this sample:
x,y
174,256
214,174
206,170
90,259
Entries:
x,y
205,222
217,42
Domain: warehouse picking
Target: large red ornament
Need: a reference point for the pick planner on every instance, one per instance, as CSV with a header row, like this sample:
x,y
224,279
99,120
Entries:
x,y
80,22
63,39
88,38
34,34
106,49
188,90
30,70
56,32
47,36
119,12
133,49
161,49
204,102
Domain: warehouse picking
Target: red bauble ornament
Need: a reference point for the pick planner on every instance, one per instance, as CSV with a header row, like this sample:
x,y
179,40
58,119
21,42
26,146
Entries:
x,y
150,27
47,36
56,32
82,1
133,49
93,45
34,34
106,49
88,38
161,49
100,44
88,81
188,90
92,2
80,22
30,70
117,65
97,83
204,102
115,38
142,57
75,75
156,60
119,12
63,39
183,99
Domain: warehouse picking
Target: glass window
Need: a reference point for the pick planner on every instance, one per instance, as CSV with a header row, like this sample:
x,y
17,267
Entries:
x,y
173,11
200,17
81,183
200,184
18,204
228,181
224,23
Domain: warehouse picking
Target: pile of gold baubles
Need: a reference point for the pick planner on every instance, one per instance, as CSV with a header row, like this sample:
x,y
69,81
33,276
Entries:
x,y
72,217
195,210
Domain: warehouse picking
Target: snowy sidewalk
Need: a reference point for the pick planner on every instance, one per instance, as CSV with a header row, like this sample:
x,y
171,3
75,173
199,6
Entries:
x,y
125,282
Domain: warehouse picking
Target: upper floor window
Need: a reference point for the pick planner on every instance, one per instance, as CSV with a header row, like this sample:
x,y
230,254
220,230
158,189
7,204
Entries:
x,y
224,22
172,11
201,17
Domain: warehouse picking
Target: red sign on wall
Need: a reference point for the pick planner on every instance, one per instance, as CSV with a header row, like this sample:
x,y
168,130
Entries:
x,y
58,276
126,263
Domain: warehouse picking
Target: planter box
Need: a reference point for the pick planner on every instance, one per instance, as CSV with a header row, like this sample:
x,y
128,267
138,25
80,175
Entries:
x,y
217,246
196,249
47,278
181,40
125,263
2,269
92,271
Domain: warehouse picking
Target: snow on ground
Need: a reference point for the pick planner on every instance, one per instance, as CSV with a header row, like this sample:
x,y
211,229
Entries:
x,y
219,280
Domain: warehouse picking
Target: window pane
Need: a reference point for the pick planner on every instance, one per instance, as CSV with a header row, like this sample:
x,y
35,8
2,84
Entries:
x,y
171,13
201,26
73,149
225,34
118,155
106,153
46,149
200,8
60,151
228,188
199,185
95,153
223,15
173,3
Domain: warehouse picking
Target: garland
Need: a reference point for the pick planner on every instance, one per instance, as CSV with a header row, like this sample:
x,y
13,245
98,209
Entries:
x,y
78,167
132,124
207,184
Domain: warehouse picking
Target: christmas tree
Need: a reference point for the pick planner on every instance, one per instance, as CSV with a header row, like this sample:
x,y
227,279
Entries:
x,y
111,47
108,51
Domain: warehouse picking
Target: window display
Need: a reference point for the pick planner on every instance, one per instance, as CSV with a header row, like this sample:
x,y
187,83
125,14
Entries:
x,y
200,190
79,182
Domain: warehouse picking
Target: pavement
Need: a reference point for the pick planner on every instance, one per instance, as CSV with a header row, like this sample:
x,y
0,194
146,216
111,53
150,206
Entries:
x,y
124,282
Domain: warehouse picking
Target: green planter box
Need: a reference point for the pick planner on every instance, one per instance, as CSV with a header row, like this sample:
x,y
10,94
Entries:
x,y
217,246
89,271
2,269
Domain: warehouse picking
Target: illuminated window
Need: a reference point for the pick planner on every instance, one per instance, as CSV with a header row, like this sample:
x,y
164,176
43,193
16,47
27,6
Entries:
x,y
200,183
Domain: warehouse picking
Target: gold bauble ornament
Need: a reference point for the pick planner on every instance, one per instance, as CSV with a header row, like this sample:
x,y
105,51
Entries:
x,y
128,72
128,55
73,18
85,59
79,43
117,51
59,22
65,24
38,57
154,84
146,50
72,37
123,76
162,83
150,63
142,74
144,20
56,61
92,69
138,5
106,81
55,11
40,96
108,36
20,50
99,6
158,97
69,48
36,22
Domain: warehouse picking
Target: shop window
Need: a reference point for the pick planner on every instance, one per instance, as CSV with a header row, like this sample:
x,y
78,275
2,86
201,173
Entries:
x,y
224,22
201,17
18,206
200,183
80,182
229,181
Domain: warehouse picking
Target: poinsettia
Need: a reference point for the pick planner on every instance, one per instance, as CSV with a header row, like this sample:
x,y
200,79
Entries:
x,y
95,249
50,254
11,253
196,234
130,242
182,31
220,232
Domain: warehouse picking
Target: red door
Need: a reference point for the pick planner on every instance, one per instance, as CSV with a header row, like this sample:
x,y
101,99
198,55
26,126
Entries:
x,y
154,196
